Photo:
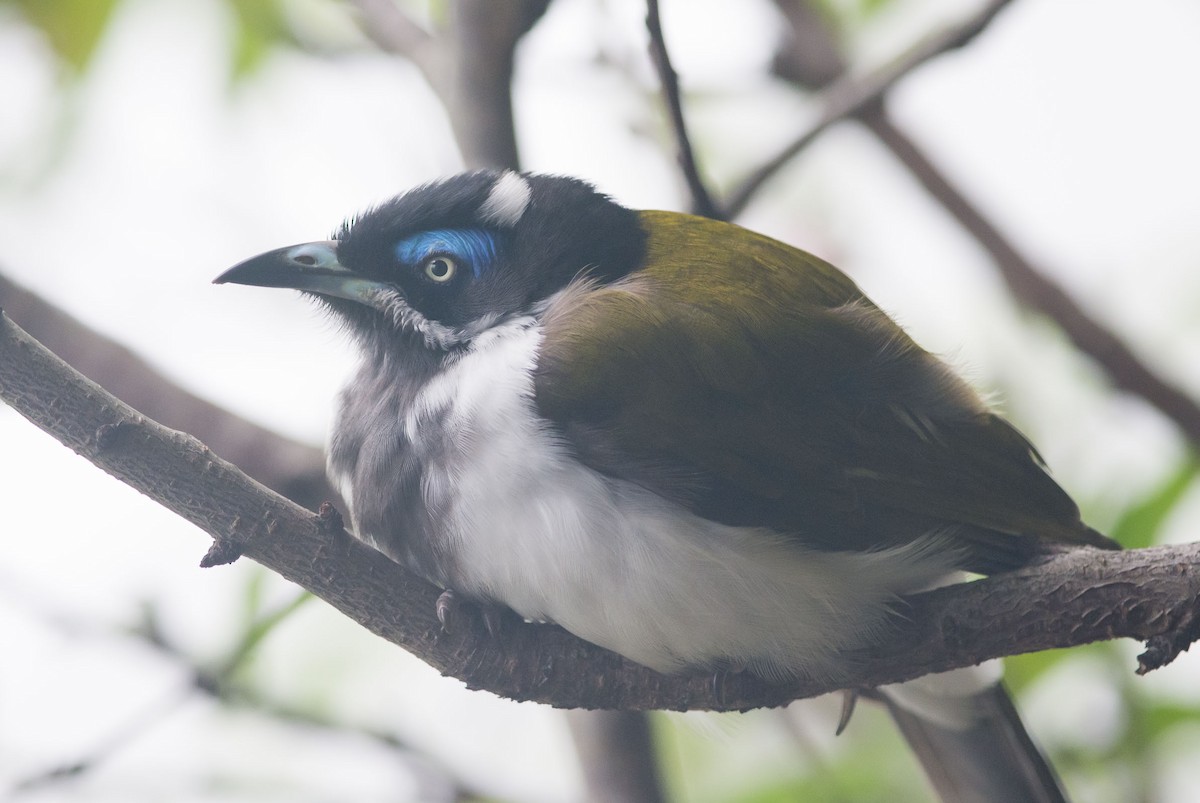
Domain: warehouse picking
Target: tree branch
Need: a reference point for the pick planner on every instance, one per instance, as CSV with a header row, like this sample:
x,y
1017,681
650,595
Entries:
x,y
1035,289
219,683
485,36
616,751
850,94
1029,284
1080,597
294,469
395,32
702,202
469,66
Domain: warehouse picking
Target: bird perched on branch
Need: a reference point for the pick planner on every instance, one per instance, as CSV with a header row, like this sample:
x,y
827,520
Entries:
x,y
678,439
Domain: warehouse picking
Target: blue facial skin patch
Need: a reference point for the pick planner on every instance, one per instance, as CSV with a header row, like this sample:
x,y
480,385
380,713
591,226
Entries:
x,y
471,248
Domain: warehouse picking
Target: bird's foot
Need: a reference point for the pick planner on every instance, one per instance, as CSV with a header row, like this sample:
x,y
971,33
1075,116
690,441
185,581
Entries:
x,y
849,701
455,614
720,680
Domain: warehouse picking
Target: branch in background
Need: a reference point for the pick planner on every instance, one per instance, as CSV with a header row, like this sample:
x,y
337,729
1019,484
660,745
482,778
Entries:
x,y
617,753
438,781
702,202
1033,287
393,31
810,53
115,740
469,66
294,469
485,36
1082,596
1030,285
849,95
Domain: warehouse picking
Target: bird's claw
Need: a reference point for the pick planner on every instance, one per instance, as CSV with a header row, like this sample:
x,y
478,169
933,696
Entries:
x,y
446,609
849,700
452,611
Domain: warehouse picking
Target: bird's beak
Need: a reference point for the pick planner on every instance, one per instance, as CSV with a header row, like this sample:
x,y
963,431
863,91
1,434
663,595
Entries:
x,y
311,266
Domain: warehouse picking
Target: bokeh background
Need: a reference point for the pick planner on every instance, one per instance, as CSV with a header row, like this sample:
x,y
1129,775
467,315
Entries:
x,y
146,145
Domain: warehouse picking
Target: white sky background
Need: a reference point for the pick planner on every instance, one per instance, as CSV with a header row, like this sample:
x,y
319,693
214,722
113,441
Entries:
x,y
1074,124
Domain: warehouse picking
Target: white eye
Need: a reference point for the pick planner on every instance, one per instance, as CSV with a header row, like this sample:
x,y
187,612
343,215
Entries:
x,y
440,269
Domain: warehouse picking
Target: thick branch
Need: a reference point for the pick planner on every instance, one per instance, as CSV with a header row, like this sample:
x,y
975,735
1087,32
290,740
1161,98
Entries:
x,y
1078,598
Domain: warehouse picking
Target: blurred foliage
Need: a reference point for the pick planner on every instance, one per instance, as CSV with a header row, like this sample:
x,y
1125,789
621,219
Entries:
x,y
73,28
770,757
258,622
74,31
847,15
260,26
1141,524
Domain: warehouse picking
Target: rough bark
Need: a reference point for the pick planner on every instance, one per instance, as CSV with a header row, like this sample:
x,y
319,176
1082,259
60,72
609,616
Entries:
x,y
1080,597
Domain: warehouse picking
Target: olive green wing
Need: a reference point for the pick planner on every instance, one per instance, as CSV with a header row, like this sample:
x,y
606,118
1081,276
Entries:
x,y
755,384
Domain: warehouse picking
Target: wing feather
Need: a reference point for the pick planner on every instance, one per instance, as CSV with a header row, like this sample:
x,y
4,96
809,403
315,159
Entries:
x,y
756,385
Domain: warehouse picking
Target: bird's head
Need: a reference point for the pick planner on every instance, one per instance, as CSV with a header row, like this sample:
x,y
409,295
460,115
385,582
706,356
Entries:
x,y
440,264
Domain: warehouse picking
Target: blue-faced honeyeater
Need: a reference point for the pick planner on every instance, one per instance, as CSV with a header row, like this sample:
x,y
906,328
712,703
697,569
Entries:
x,y
678,439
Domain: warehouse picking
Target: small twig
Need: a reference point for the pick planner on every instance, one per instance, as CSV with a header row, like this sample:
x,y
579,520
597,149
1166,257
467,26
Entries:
x,y
1162,650
222,552
136,726
849,95
702,202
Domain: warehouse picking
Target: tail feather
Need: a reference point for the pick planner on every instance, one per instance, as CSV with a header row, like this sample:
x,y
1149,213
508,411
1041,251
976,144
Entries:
x,y
990,760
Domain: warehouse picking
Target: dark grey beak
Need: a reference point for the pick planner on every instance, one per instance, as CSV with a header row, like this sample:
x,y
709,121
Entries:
x,y
313,267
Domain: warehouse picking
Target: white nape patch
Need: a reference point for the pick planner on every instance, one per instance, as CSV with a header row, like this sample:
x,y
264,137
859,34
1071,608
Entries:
x,y
507,201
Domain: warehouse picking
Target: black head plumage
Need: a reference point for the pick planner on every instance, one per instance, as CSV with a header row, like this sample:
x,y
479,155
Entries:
x,y
510,240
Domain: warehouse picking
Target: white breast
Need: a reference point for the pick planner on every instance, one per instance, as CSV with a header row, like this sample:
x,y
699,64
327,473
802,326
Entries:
x,y
529,526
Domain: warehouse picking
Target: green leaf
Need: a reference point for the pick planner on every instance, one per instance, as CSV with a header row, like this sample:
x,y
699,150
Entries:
x,y
1022,670
258,625
1161,717
261,26
849,15
1139,525
73,27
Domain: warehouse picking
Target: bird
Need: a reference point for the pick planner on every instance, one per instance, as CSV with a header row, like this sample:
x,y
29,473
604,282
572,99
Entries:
x,y
681,440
